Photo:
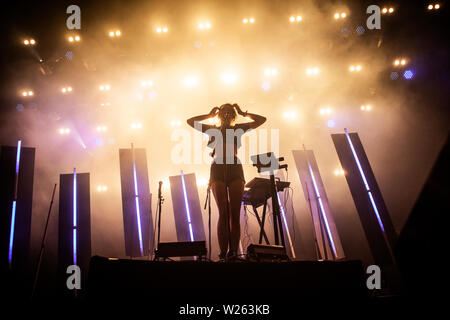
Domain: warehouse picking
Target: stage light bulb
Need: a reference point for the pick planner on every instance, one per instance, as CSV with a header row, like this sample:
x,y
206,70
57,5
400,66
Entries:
x,y
336,172
24,93
208,25
70,39
397,62
61,131
342,172
368,107
391,10
107,87
363,108
336,15
201,26
77,38
118,33
292,19
343,15
299,18
245,21
26,42
385,10
32,42
358,68
352,68
165,29
63,90
437,6
403,62
111,33
67,130
30,93
158,30
101,87
252,20
69,89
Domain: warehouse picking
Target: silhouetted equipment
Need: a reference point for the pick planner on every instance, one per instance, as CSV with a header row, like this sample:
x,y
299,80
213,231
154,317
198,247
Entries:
x,y
326,237
424,238
136,202
16,194
186,208
367,196
267,162
181,249
74,224
266,253
257,192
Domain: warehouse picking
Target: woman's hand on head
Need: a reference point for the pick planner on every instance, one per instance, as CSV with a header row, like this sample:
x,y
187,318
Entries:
x,y
214,111
238,109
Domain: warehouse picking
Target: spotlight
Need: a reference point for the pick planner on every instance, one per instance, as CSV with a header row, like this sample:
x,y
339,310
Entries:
x,y
105,104
252,20
387,10
270,72
366,108
27,93
408,74
356,68
102,188
391,10
104,87
245,21
204,25
175,123
341,15
66,89
292,19
312,71
159,30
136,125
214,120
437,6
115,33
29,42
101,128
298,18
165,29
289,115
63,131
339,172
77,38
325,111
146,83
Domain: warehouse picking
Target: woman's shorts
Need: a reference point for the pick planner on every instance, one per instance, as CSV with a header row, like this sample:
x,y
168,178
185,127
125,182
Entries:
x,y
226,173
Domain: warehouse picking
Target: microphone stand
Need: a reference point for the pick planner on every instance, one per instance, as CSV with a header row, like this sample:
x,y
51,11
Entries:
x,y
160,202
41,253
208,202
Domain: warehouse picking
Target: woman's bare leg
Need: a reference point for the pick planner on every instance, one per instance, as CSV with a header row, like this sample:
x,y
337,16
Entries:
x,y
218,189
236,191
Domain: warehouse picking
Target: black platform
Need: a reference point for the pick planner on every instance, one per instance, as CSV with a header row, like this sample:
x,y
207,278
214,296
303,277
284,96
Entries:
x,y
212,282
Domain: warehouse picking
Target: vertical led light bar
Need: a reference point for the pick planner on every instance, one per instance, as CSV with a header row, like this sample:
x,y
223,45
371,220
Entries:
x,y
75,218
286,226
188,214
138,212
372,201
13,213
322,210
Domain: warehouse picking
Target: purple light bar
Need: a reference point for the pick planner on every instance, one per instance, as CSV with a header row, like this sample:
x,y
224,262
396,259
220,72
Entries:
x,y
13,212
74,240
321,209
191,234
372,201
138,212
286,226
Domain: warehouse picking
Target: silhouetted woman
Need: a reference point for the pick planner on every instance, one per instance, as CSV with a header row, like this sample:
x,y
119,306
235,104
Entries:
x,y
226,169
